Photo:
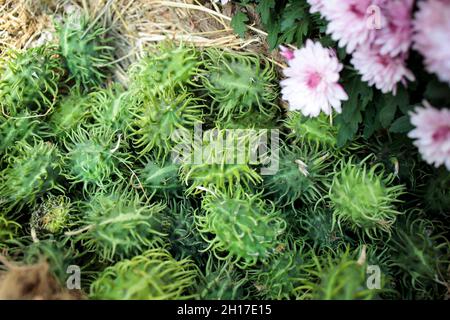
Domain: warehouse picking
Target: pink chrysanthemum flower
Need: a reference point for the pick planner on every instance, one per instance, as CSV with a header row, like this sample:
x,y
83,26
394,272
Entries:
x,y
431,38
349,23
382,71
395,36
432,134
312,81
286,53
316,5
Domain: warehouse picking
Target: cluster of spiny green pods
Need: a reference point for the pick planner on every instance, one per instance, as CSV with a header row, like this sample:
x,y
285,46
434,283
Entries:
x,y
114,179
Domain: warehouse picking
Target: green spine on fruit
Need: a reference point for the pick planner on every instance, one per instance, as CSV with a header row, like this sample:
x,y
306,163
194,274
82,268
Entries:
x,y
337,275
278,277
239,83
69,113
312,131
86,51
29,80
111,108
420,253
398,156
160,178
252,120
24,127
220,159
8,230
167,68
221,281
184,237
241,227
154,275
94,156
32,171
316,224
301,175
120,224
157,119
364,198
52,215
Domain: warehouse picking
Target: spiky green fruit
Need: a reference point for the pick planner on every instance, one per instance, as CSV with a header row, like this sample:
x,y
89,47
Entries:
x,y
30,173
239,83
69,113
301,176
166,68
398,155
154,275
241,227
52,215
30,80
364,198
220,159
313,131
86,50
111,108
184,237
252,120
94,157
160,178
420,254
24,127
121,224
279,277
8,230
338,275
157,120
222,281
316,225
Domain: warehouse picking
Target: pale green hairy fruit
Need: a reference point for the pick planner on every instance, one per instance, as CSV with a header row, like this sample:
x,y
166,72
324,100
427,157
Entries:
x,y
120,224
85,49
301,175
307,130
29,80
244,228
31,172
69,113
337,275
154,275
239,83
94,156
221,159
280,276
364,197
157,119
222,281
168,68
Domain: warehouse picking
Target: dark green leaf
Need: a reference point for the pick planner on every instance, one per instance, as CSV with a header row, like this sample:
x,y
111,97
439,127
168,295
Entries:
x,y
389,104
387,114
370,121
401,125
238,23
359,97
264,8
